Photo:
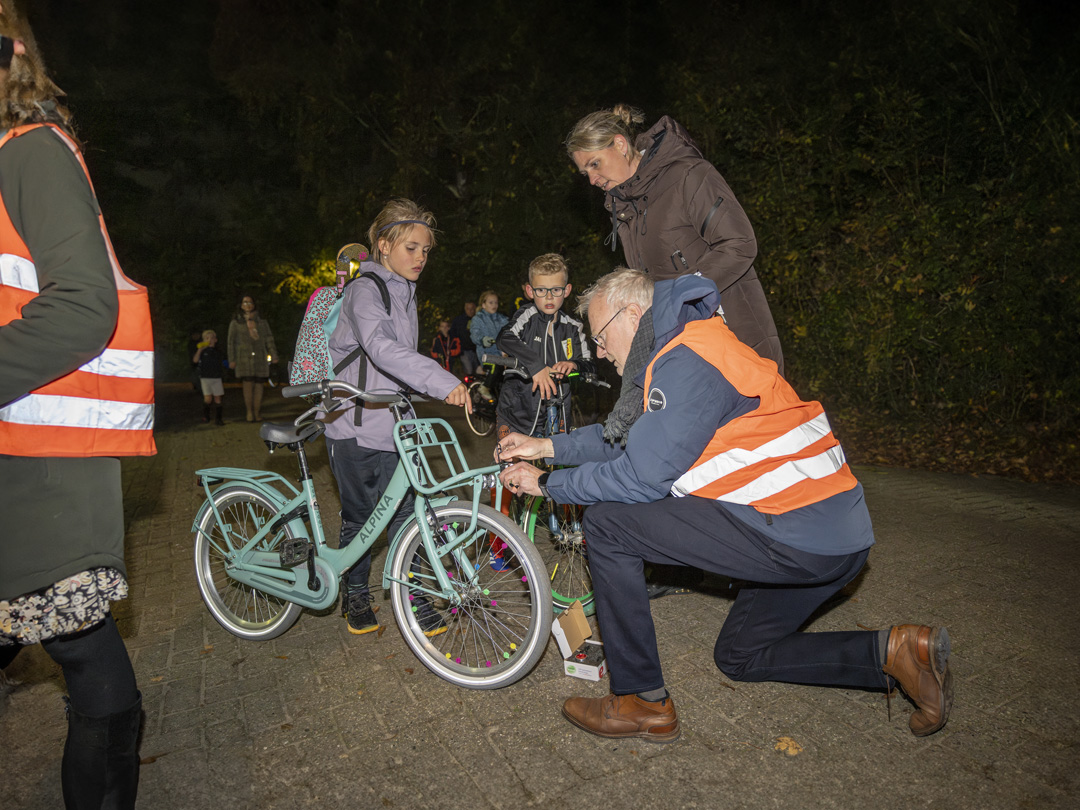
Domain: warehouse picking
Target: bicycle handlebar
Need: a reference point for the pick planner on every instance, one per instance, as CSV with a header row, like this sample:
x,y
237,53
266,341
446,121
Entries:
x,y
325,387
511,362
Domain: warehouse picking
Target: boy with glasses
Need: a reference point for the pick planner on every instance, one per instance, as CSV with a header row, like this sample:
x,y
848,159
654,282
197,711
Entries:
x,y
546,342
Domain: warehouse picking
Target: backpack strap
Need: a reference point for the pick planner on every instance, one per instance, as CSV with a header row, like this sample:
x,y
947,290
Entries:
x,y
348,359
359,352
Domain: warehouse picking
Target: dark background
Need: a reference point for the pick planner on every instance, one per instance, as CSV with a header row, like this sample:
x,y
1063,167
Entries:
x,y
910,169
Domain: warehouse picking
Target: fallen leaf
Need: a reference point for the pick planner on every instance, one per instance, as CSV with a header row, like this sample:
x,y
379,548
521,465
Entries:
x,y
286,726
788,746
157,679
282,657
409,670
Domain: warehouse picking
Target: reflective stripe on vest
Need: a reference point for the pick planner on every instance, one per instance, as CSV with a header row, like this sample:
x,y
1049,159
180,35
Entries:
x,y
106,406
778,457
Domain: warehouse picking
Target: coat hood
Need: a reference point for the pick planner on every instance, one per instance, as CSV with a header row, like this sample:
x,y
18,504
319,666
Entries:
x,y
662,146
677,302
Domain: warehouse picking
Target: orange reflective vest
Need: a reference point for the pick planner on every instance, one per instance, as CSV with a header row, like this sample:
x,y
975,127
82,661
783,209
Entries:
x,y
106,406
780,456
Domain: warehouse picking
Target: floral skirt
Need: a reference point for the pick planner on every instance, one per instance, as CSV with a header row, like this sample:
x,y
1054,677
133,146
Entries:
x,y
68,606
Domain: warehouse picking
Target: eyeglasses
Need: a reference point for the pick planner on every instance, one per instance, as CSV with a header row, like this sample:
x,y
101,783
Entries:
x,y
553,292
597,339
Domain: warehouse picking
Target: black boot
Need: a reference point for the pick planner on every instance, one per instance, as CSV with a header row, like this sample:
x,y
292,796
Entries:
x,y
206,412
218,420
100,769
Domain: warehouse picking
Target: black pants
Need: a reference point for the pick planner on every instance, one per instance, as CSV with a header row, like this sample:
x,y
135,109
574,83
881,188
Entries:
x,y
759,641
362,477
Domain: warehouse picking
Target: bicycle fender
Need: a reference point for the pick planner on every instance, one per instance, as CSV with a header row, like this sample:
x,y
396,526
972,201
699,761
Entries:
x,y
270,492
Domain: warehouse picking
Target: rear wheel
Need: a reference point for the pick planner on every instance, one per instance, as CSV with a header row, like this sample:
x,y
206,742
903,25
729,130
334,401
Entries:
x,y
492,627
555,530
241,609
482,419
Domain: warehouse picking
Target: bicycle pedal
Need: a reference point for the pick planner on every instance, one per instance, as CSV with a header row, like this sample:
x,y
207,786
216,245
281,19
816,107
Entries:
x,y
294,551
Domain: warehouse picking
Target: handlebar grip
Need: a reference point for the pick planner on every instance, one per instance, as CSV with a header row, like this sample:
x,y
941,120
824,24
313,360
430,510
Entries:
x,y
302,390
499,360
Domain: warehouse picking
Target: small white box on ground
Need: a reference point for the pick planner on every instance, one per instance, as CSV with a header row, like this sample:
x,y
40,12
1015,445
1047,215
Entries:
x,y
581,658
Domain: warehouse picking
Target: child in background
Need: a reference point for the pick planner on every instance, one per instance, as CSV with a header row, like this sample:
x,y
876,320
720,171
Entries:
x,y
486,323
211,365
360,440
443,347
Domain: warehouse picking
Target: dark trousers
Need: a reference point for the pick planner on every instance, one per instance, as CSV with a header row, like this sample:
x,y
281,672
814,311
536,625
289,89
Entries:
x,y
362,477
759,640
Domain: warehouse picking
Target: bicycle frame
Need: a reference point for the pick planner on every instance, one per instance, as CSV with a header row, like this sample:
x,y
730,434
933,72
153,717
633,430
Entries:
x,y
417,442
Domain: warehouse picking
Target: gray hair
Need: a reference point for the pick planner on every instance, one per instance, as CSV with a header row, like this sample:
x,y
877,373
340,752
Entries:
x,y
620,288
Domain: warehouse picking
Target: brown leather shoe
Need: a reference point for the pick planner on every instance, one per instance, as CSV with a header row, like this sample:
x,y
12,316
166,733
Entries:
x,y
918,657
625,716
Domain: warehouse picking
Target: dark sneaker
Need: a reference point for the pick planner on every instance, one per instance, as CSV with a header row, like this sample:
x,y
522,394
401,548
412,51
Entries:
x,y
429,619
360,612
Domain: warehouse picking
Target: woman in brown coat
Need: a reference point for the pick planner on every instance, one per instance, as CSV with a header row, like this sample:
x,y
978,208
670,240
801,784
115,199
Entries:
x,y
251,351
675,214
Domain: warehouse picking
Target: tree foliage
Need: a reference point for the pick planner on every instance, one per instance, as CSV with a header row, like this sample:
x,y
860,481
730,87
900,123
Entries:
x,y
910,167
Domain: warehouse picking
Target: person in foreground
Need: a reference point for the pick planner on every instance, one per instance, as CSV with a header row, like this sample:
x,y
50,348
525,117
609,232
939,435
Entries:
x,y
729,471
374,345
77,392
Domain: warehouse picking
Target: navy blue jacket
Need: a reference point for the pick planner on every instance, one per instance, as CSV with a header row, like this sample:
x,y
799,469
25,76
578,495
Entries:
x,y
665,442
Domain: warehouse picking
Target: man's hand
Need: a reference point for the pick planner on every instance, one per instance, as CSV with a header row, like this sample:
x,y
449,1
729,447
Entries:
x,y
520,446
521,478
459,397
542,380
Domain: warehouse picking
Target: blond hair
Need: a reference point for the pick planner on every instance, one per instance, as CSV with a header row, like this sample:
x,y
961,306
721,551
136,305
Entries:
x,y
598,130
400,215
549,264
28,95
620,288
207,333
484,297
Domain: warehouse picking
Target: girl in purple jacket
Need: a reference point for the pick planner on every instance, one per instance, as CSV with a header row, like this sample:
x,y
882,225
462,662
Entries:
x,y
359,439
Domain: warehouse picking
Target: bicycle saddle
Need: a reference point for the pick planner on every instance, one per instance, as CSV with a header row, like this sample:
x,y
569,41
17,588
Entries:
x,y
288,433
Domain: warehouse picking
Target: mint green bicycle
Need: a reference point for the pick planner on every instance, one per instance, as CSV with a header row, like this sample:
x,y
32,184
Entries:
x,y
261,555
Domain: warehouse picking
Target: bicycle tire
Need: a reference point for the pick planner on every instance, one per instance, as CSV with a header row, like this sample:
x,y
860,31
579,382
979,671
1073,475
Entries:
x,y
498,632
564,556
482,420
241,609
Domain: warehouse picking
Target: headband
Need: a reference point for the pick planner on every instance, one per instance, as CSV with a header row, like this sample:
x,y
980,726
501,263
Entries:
x,y
404,222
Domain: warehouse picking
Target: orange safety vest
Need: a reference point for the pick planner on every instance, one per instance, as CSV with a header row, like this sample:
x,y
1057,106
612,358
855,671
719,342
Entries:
x,y
780,456
106,406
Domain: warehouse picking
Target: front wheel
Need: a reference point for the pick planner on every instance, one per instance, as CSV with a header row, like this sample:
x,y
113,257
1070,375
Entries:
x,y
482,419
491,627
555,529
241,609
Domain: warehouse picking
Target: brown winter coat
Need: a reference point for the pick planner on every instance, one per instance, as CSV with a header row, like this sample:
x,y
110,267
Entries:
x,y
678,215
250,353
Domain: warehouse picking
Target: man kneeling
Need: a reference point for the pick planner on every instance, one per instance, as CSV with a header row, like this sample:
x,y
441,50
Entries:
x,y
729,471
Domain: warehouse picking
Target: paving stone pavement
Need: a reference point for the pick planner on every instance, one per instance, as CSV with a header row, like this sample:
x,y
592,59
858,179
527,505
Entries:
x,y
321,718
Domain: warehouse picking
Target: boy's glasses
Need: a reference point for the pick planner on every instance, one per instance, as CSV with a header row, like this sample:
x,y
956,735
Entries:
x,y
553,292
598,337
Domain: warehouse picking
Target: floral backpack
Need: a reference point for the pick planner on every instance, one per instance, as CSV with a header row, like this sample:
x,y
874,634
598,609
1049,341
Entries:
x,y
311,358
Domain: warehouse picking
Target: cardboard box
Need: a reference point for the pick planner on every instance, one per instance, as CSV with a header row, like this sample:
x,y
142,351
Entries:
x,y
581,658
